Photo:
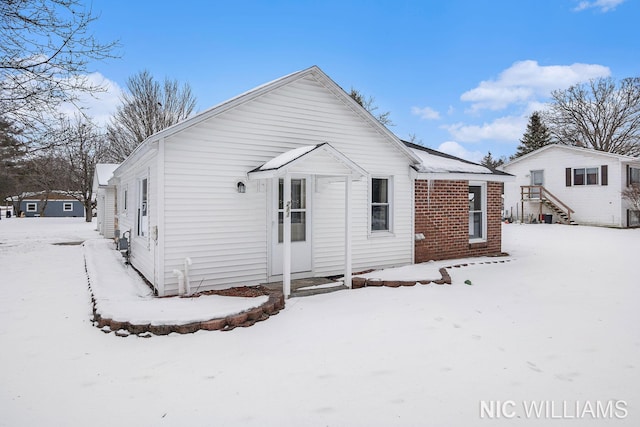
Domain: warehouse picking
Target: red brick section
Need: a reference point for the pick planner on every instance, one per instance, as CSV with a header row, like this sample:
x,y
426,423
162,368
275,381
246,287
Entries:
x,y
442,215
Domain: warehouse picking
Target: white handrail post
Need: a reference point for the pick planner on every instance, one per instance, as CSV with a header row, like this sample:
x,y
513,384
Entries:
x,y
286,237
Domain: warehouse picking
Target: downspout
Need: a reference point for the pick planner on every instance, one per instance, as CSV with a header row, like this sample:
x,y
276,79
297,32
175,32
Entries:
x,y
180,276
187,282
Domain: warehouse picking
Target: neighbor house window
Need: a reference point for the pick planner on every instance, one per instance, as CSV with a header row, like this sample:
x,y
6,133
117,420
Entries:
x,y
143,218
124,198
585,176
67,207
380,204
634,176
32,207
477,212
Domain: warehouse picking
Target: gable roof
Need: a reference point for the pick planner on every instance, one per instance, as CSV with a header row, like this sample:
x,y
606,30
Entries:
x,y
433,161
580,150
313,71
103,173
281,164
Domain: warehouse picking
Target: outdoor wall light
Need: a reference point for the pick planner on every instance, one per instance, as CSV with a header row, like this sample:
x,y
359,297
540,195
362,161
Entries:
x,y
241,187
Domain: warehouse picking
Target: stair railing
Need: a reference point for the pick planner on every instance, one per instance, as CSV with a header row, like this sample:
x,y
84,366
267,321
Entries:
x,y
536,192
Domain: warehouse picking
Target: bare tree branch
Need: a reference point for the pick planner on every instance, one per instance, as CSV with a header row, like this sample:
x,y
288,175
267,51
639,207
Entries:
x,y
147,108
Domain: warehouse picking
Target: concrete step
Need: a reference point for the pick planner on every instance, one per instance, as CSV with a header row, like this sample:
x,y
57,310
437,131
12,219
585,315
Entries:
x,y
316,291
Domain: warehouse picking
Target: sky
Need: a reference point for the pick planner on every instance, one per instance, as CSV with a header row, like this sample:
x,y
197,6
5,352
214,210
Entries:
x,y
459,76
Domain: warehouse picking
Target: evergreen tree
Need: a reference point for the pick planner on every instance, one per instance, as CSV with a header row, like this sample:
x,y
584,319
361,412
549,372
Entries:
x,y
491,162
11,156
536,136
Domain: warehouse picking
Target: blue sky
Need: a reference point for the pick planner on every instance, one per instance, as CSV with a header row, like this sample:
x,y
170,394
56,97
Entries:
x,y
462,76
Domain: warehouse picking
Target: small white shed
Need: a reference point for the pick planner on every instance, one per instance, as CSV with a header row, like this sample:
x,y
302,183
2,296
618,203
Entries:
x,y
105,199
573,185
291,179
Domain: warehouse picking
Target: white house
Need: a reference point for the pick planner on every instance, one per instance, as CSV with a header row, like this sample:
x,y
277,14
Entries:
x,y
295,167
294,179
104,197
573,185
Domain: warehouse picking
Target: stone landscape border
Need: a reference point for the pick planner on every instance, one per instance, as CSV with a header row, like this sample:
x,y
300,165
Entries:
x,y
361,282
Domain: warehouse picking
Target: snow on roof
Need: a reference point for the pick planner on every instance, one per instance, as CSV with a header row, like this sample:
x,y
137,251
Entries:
x,y
104,171
287,157
432,161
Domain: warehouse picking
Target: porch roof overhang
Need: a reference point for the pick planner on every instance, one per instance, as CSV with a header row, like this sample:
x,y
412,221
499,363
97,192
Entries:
x,y
321,159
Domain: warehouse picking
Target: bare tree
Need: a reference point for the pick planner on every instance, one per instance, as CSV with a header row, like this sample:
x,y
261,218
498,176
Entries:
x,y
370,106
45,49
84,147
632,195
601,115
147,108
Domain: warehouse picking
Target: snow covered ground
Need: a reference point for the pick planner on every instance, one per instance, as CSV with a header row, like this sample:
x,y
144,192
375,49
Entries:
x,y
558,326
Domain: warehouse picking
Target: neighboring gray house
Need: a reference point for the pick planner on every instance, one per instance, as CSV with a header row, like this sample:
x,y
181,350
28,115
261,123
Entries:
x,y
48,204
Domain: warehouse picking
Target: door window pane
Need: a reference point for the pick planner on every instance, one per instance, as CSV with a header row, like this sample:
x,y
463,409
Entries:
x,y
297,211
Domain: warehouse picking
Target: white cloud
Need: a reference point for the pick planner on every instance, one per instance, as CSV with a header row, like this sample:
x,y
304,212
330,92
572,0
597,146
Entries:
x,y
508,128
603,5
526,80
455,149
100,106
425,113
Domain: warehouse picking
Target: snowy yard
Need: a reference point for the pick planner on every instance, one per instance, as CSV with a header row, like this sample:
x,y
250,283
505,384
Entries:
x,y
558,326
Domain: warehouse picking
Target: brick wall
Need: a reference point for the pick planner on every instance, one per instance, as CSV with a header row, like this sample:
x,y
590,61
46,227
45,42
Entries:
x,y
442,215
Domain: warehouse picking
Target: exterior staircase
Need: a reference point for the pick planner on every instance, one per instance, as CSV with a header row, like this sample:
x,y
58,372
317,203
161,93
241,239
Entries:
x,y
537,193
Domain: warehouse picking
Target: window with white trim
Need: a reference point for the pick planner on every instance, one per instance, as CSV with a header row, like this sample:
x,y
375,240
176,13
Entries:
x,y
32,207
67,207
477,212
143,217
381,204
124,198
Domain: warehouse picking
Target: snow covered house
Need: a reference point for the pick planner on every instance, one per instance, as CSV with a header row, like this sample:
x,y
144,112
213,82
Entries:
x,y
47,204
561,183
104,196
291,179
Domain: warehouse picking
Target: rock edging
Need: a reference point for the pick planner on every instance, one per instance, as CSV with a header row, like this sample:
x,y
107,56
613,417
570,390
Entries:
x,y
361,282
244,319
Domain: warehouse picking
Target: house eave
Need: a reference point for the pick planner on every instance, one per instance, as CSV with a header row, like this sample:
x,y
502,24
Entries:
x,y
460,176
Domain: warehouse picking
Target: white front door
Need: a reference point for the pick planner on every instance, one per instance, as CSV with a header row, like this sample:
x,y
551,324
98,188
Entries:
x,y
300,211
